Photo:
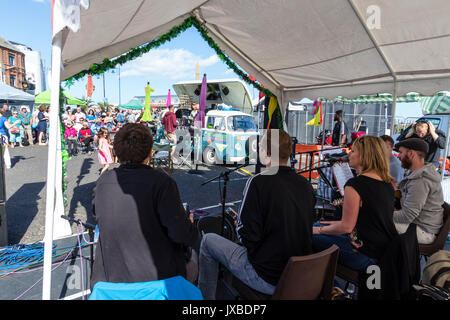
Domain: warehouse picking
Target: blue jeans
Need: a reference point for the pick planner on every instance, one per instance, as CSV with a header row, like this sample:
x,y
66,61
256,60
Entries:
x,y
349,256
215,249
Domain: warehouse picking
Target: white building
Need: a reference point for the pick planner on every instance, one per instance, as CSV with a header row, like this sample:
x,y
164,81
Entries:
x,y
34,66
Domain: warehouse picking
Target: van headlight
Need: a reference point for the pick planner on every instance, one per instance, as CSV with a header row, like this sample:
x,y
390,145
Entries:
x,y
238,146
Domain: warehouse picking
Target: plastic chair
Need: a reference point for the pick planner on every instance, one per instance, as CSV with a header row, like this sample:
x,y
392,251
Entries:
x,y
304,278
439,243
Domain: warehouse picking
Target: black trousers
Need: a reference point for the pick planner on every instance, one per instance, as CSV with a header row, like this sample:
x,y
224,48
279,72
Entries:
x,y
87,143
72,146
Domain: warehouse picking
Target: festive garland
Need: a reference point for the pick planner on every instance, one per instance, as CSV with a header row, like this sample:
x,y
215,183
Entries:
x,y
97,69
64,153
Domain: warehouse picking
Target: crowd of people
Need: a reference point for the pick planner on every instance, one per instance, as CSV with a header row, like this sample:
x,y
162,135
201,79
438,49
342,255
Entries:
x,y
275,222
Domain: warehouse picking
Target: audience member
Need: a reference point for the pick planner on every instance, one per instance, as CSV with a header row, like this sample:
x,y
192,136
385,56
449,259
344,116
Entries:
x,y
433,137
16,130
395,166
422,196
26,117
71,136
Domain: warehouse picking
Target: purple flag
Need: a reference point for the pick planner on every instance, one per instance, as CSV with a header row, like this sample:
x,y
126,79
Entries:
x,y
202,102
169,101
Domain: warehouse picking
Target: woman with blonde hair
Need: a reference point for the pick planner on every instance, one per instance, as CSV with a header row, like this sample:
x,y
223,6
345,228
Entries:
x,y
367,226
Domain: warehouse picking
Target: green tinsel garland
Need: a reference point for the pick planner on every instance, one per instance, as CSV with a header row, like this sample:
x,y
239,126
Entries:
x,y
64,153
97,69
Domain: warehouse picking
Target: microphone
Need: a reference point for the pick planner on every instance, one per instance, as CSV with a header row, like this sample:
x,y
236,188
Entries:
x,y
337,158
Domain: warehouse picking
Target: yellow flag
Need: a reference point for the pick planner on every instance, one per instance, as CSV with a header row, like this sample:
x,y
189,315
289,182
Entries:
x,y
316,120
273,103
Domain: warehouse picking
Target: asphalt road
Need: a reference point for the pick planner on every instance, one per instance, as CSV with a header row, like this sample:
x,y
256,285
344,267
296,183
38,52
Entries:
x,y
26,190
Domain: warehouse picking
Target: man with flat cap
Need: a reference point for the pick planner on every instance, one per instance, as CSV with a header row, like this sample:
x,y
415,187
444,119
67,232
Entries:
x,y
422,196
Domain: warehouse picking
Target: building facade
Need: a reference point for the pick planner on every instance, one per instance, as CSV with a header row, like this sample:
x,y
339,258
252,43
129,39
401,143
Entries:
x,y
35,69
12,65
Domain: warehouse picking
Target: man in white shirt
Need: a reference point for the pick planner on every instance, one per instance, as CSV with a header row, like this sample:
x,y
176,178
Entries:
x,y
79,114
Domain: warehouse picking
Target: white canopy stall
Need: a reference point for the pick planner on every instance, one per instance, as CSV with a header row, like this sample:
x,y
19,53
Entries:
x,y
295,48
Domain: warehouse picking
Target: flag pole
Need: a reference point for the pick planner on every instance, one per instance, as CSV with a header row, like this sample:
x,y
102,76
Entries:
x,y
51,165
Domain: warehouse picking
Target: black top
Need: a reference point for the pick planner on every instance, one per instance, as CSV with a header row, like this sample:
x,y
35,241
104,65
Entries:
x,y
375,225
142,224
337,133
275,220
434,153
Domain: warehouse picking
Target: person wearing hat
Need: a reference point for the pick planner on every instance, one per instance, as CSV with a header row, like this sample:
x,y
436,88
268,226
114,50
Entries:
x,y
435,139
25,117
422,196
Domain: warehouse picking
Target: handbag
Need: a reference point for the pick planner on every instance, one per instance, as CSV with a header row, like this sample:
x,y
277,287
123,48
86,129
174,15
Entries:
x,y
15,130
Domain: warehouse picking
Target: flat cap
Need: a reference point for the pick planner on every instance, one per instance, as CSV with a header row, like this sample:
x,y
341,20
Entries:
x,y
413,144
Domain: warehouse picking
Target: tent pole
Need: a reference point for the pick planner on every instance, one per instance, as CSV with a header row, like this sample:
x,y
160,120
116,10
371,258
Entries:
x,y
51,165
394,105
447,140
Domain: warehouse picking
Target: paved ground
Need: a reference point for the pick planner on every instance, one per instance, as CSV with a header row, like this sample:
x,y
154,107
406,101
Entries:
x,y
26,190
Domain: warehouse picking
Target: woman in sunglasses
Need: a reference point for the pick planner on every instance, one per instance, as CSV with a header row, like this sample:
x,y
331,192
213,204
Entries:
x,y
433,137
367,226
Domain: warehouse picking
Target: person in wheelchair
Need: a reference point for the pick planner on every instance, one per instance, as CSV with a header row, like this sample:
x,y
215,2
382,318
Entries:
x,y
143,227
274,223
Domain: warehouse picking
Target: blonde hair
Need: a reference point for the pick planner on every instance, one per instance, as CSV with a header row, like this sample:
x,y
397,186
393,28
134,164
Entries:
x,y
373,156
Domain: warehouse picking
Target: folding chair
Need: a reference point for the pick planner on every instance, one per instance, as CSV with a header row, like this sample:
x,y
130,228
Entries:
x,y
161,156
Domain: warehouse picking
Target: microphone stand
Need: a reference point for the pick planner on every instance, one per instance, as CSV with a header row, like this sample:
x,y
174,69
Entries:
x,y
225,175
90,228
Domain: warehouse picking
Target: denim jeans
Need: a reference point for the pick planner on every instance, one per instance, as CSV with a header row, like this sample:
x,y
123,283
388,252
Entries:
x,y
348,255
215,249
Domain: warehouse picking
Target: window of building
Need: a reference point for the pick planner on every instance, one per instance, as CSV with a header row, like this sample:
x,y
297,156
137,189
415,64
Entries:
x,y
11,59
12,80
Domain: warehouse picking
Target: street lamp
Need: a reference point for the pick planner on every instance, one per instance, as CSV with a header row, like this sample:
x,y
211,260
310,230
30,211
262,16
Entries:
x,y
113,71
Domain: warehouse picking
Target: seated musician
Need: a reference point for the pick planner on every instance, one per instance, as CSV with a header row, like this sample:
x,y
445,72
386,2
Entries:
x,y
143,226
366,227
274,223
422,196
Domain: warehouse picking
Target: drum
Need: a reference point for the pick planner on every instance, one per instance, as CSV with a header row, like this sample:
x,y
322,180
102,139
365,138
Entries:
x,y
213,224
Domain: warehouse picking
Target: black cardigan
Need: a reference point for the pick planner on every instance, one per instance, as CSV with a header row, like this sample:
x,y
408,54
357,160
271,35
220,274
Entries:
x,y
143,226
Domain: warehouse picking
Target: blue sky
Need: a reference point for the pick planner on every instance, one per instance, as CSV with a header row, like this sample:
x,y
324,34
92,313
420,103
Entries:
x,y
29,22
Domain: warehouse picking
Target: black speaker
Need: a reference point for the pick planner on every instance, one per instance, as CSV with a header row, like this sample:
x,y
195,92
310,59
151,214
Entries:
x,y
2,176
3,225
225,90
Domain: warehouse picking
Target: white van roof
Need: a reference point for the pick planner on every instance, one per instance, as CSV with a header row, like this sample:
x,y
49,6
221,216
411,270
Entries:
x,y
231,92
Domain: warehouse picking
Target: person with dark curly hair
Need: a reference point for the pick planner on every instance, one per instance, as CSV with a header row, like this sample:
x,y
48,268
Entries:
x,y
143,228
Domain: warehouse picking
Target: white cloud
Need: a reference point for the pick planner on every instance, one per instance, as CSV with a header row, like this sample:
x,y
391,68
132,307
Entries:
x,y
40,1
175,64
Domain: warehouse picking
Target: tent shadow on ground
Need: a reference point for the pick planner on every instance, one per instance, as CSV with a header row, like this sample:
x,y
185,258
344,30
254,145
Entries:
x,y
21,208
83,193
16,159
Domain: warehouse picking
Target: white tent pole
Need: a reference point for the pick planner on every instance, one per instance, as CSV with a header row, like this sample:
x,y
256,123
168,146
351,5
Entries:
x,y
394,105
61,227
447,140
51,165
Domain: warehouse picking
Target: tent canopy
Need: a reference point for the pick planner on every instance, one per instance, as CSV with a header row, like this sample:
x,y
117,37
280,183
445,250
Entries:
x,y
13,94
44,98
311,49
133,104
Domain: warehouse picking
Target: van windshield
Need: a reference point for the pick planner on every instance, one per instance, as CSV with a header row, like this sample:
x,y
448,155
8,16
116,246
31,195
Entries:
x,y
243,123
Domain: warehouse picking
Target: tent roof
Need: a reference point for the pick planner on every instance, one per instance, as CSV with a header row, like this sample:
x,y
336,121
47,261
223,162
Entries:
x,y
44,98
11,93
133,104
311,49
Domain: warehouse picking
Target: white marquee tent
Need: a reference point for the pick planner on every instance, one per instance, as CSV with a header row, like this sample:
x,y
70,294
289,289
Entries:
x,y
295,48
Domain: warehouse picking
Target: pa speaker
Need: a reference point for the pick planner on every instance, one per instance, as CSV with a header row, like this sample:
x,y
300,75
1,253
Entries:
x,y
3,225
